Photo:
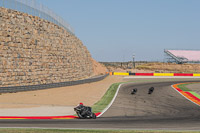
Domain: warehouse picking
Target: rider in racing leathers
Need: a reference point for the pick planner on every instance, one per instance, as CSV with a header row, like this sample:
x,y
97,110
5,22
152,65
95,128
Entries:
x,y
82,109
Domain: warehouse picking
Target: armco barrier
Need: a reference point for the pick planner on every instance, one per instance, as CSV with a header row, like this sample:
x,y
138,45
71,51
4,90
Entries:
x,y
196,75
120,73
143,74
156,74
163,74
183,74
131,73
14,89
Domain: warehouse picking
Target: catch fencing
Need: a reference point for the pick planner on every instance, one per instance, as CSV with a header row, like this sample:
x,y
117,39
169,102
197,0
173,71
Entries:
x,y
15,89
33,8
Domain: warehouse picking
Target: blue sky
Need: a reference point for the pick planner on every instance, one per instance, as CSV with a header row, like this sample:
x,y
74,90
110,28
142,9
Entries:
x,y
114,30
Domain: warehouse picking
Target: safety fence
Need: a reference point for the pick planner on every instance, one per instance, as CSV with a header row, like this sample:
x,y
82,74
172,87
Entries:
x,y
15,89
31,7
155,74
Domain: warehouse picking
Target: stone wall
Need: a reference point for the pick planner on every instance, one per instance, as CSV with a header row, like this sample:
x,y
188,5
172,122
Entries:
x,y
34,51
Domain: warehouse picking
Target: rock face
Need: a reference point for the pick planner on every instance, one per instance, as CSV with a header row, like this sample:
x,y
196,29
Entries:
x,y
34,51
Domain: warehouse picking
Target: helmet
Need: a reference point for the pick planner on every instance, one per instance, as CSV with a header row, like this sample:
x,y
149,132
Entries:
x,y
80,103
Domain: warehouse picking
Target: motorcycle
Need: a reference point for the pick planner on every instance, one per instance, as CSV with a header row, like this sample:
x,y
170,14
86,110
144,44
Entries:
x,y
151,90
134,91
84,112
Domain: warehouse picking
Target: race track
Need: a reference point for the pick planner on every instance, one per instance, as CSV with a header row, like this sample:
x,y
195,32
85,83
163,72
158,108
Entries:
x,y
164,109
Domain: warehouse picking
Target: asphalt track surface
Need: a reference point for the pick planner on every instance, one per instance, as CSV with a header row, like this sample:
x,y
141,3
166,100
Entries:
x,y
164,109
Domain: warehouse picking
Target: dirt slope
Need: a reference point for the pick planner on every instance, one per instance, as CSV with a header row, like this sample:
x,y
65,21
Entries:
x,y
64,96
99,69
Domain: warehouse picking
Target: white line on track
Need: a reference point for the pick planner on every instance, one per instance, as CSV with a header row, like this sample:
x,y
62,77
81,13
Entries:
x,y
111,101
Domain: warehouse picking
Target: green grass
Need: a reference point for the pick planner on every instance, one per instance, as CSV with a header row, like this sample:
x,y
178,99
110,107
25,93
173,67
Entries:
x,y
195,94
183,87
106,99
86,131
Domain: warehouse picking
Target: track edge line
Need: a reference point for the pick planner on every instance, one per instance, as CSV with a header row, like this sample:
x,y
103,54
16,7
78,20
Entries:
x,y
109,105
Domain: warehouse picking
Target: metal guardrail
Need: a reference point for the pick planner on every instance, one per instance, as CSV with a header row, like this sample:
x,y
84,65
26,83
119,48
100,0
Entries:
x,y
15,89
33,8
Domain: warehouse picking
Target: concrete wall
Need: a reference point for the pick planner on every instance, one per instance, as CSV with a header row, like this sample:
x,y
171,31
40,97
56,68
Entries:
x,y
34,51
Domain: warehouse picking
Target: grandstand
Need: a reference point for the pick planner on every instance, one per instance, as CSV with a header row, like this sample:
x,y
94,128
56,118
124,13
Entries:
x,y
183,56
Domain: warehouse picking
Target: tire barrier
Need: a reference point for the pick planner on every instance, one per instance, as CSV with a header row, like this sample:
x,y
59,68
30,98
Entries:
x,y
15,89
155,74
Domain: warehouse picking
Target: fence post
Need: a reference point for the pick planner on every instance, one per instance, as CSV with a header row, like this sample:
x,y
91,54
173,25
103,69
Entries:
x,y
32,8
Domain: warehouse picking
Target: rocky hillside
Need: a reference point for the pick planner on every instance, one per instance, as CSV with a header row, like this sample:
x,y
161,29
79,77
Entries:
x,y
34,51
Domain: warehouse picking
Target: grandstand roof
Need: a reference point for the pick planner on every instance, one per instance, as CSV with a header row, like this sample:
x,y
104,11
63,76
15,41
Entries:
x,y
184,55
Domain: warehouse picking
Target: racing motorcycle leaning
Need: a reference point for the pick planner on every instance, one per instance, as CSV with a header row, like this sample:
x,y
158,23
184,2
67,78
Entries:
x,y
84,112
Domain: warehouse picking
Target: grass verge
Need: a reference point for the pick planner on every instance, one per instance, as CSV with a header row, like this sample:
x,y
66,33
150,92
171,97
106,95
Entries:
x,y
106,99
86,131
183,87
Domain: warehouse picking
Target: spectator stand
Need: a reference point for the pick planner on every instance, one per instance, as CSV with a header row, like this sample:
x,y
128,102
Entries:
x,y
183,56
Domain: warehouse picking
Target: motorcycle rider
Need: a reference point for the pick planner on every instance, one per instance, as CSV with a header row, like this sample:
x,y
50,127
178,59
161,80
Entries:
x,y
82,109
